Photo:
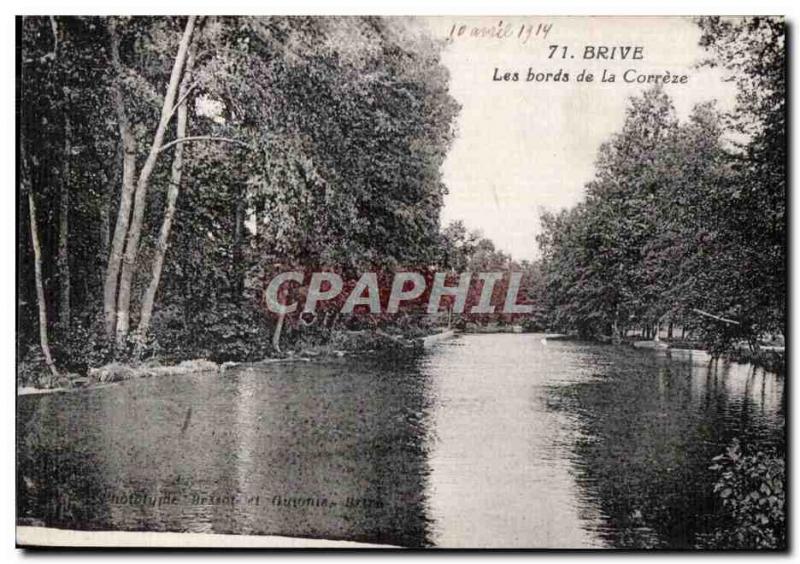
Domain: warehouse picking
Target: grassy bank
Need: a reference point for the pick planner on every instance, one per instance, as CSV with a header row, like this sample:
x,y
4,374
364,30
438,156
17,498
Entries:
x,y
33,376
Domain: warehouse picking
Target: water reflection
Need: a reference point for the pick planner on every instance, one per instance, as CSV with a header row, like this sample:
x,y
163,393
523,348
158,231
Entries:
x,y
322,450
500,474
649,427
484,441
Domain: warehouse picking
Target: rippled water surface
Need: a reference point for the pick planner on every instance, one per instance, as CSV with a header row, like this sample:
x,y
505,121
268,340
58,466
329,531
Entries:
x,y
484,441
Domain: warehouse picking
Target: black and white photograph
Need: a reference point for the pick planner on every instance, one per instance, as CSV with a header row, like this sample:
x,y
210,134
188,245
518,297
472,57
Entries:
x,y
384,281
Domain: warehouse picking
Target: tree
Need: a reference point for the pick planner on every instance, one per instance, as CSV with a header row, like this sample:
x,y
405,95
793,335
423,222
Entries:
x,y
134,232
684,221
40,299
289,140
593,254
169,212
753,52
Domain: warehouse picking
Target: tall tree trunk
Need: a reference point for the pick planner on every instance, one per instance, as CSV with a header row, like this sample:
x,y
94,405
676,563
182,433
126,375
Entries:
x,y
40,299
616,336
238,242
169,212
126,194
276,334
140,195
63,234
25,180
107,205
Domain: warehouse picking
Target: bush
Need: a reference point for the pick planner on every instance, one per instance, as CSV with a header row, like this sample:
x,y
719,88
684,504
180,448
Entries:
x,y
32,370
82,347
223,332
751,489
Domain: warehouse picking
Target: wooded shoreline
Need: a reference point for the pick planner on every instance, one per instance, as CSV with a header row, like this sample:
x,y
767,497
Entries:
x,y
770,359
119,372
171,166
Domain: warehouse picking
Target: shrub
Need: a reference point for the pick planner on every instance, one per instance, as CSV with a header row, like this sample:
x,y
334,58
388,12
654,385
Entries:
x,y
751,489
224,332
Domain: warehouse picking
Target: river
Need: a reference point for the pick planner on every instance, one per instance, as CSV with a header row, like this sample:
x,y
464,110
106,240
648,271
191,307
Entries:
x,y
497,440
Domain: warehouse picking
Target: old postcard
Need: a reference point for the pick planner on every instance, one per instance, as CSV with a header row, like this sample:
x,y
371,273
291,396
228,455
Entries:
x,y
418,282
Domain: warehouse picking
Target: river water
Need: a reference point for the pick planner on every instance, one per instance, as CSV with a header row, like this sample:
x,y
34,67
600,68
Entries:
x,y
500,440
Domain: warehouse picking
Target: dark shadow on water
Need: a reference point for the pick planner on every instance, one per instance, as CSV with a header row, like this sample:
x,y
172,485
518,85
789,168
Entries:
x,y
490,440
649,426
333,450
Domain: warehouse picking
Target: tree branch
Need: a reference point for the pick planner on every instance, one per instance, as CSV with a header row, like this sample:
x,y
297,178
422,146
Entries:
x,y
54,28
166,146
183,97
718,318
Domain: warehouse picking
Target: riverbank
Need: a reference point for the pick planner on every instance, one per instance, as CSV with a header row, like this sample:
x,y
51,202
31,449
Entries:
x,y
354,343
32,537
344,344
492,328
770,358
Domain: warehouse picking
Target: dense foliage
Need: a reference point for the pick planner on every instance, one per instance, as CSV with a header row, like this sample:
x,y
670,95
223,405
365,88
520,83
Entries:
x,y
313,141
752,489
684,222
170,165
